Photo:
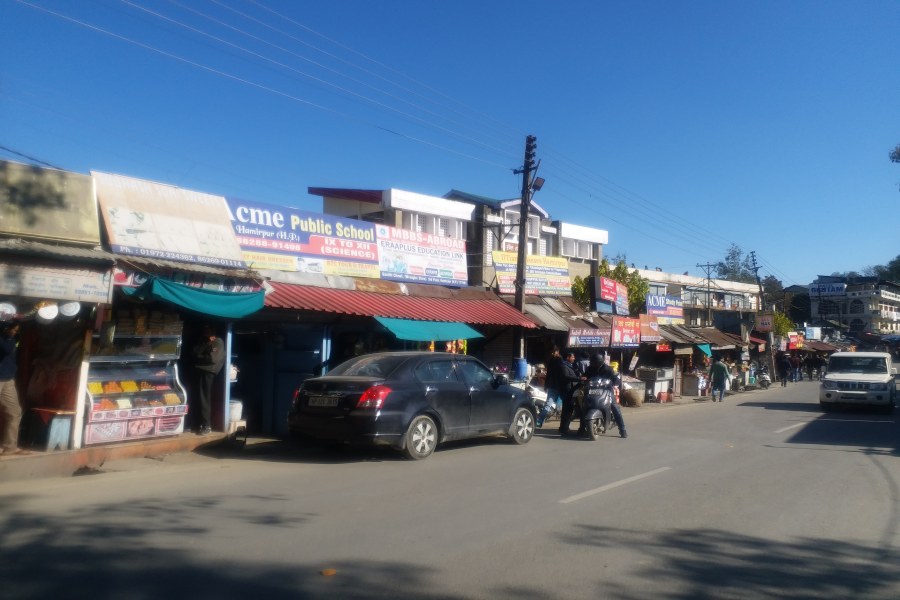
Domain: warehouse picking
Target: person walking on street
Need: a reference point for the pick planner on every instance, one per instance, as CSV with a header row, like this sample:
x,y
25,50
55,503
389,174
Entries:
x,y
568,381
209,358
795,368
10,409
784,369
718,376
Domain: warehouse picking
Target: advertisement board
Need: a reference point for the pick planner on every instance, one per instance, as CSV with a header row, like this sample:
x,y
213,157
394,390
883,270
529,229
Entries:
x,y
827,289
765,322
544,275
419,257
157,221
588,338
649,328
626,332
664,305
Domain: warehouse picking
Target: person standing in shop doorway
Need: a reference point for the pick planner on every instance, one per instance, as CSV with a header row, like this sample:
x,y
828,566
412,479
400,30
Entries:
x,y
10,409
209,358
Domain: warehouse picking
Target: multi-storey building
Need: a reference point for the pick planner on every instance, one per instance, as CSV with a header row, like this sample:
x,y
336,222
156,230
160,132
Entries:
x,y
856,304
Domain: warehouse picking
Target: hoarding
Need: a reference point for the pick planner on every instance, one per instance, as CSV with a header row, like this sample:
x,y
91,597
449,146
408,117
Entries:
x,y
588,337
419,257
544,275
626,332
649,328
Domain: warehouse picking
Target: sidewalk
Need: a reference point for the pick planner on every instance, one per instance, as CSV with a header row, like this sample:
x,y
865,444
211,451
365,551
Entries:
x,y
65,463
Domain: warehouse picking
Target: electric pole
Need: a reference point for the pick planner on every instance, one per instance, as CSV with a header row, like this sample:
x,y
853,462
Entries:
x,y
525,207
762,304
708,267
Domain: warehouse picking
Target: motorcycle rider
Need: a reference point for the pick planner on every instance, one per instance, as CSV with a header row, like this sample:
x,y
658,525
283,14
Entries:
x,y
551,385
599,368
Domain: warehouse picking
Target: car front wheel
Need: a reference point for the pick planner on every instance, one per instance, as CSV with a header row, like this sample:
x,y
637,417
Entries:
x,y
421,438
522,429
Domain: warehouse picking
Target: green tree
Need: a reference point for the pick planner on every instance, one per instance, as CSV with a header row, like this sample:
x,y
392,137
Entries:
x,y
782,324
735,267
638,287
895,154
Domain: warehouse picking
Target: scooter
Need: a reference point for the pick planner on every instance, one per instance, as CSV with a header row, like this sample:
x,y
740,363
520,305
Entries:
x,y
763,378
594,399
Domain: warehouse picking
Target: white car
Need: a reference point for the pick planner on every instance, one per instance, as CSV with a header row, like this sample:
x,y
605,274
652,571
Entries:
x,y
859,379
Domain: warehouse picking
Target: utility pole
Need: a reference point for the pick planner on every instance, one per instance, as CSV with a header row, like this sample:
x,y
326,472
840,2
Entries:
x,y
762,304
527,171
708,268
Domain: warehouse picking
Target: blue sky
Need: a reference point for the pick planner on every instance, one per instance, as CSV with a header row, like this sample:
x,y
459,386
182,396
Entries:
x,y
679,127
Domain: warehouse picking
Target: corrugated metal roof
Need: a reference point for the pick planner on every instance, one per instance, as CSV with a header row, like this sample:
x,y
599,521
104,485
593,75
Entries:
x,y
171,265
64,252
371,304
546,317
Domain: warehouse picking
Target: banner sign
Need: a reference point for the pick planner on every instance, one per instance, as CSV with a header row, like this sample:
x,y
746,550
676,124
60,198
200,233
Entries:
x,y
419,257
649,328
48,204
663,348
55,283
615,292
795,341
289,239
158,221
626,332
544,275
828,289
814,333
765,322
286,239
588,338
663,305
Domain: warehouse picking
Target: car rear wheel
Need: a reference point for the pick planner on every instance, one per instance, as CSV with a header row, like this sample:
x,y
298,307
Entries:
x,y
522,429
421,438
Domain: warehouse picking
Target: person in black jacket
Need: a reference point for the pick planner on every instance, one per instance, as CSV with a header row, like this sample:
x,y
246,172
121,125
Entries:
x,y
551,384
568,382
599,368
209,358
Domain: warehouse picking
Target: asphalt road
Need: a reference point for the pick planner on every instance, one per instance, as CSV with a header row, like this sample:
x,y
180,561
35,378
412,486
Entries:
x,y
762,496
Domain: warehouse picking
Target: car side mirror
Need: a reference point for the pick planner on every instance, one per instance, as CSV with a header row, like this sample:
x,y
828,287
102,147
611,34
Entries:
x,y
500,379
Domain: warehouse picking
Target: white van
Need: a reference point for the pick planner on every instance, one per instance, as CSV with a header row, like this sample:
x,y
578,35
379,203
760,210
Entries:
x,y
859,379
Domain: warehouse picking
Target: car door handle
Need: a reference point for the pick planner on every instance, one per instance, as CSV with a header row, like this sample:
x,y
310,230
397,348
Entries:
x,y
429,389
473,389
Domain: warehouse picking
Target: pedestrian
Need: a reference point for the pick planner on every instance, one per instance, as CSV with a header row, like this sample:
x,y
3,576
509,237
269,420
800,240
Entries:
x,y
784,369
552,385
209,358
795,368
718,376
568,382
599,368
10,409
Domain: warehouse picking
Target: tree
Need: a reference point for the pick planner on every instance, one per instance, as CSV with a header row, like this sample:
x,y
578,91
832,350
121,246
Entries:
x,y
736,266
638,287
772,286
890,271
895,154
782,324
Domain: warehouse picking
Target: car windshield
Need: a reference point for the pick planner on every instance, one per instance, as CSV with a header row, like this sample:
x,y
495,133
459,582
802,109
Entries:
x,y
858,364
369,366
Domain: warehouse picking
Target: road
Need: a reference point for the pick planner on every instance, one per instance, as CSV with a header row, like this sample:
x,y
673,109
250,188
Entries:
x,y
761,496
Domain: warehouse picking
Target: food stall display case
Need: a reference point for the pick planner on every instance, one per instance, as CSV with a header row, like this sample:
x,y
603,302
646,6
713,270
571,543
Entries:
x,y
133,389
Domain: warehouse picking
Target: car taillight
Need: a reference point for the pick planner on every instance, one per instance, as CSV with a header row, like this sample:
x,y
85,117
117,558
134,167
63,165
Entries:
x,y
373,397
295,401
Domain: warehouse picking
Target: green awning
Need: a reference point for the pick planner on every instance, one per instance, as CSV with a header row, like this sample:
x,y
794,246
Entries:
x,y
426,331
230,305
705,349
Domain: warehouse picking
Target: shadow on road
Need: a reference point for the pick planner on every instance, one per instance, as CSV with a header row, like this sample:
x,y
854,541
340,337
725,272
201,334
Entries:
x,y
154,548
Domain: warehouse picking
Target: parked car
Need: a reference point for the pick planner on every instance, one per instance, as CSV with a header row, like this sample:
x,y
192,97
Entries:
x,y
859,379
411,401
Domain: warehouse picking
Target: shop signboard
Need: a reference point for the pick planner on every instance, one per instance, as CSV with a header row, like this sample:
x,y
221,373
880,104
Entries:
x,y
616,293
419,257
795,341
544,275
626,332
765,322
827,289
55,283
47,204
649,328
157,221
814,333
666,306
588,338
288,239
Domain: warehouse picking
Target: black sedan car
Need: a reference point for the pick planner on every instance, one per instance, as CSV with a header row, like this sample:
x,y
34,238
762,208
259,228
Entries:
x,y
411,401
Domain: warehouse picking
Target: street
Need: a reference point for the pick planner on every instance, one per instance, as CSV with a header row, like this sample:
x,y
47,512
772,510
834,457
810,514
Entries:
x,y
761,496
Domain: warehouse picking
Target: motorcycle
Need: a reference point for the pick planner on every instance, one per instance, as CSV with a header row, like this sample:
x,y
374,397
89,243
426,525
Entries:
x,y
594,399
763,378
538,398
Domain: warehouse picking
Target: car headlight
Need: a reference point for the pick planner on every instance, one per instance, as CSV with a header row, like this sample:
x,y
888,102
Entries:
x,y
830,385
877,387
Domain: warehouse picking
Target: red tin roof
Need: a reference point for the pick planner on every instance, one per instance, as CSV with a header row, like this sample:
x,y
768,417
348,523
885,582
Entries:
x,y
480,311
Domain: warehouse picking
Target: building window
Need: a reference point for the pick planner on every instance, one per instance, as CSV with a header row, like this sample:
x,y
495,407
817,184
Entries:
x,y
542,248
585,250
443,227
568,247
857,307
490,241
534,227
418,223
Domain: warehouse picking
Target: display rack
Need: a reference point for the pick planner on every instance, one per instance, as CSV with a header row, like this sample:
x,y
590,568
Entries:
x,y
133,389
